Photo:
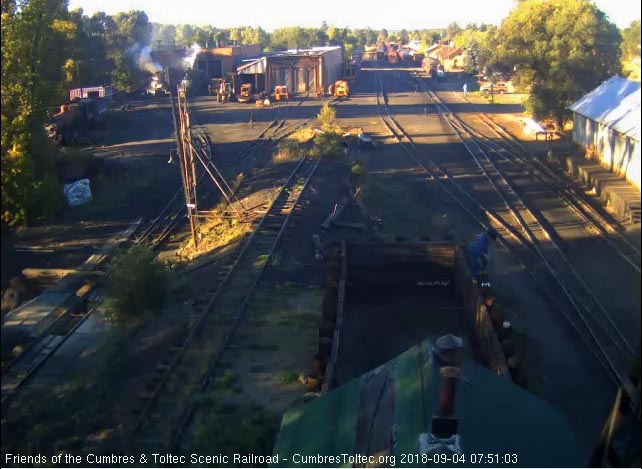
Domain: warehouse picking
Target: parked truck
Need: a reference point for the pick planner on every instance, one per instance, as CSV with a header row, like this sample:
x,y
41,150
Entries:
x,y
341,89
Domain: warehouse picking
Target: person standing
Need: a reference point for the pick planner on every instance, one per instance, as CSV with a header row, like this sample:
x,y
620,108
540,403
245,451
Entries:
x,y
477,251
465,89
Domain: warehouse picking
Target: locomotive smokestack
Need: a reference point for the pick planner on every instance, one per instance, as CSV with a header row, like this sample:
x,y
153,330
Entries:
x,y
449,376
448,350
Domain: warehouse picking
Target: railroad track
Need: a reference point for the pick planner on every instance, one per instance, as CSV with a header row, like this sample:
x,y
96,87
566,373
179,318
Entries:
x,y
76,311
166,402
506,146
239,274
524,233
509,148
153,232
273,131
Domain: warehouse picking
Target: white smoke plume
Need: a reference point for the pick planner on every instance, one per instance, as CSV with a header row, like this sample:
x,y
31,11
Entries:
x,y
143,58
192,52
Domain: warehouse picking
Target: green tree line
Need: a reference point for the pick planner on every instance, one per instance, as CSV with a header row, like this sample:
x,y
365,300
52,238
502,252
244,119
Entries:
x,y
561,49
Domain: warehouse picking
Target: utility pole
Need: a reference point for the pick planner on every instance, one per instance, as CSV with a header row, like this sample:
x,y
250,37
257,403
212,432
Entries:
x,y
185,172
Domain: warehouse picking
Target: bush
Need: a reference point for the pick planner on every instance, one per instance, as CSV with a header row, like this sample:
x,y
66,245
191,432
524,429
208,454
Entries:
x,y
327,144
327,117
357,169
138,283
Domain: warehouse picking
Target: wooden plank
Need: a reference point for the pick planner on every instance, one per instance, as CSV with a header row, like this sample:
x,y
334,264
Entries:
x,y
47,275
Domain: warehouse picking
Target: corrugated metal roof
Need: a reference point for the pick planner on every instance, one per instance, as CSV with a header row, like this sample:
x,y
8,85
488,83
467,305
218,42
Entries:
x,y
495,416
258,66
615,104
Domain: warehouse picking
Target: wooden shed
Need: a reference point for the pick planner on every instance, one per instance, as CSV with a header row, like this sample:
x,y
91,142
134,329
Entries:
x,y
301,70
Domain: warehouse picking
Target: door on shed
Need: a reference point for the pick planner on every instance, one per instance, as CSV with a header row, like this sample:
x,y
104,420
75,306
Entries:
x,y
306,80
280,76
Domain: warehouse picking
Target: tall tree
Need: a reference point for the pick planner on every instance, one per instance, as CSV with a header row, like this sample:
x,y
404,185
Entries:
x,y
126,35
631,40
36,35
567,46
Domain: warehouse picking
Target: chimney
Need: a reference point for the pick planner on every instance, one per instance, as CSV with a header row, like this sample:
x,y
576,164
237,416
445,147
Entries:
x,y
449,376
448,358
448,350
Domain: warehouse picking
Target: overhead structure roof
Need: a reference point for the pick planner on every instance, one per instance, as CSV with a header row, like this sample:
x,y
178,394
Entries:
x,y
614,104
388,409
259,65
254,67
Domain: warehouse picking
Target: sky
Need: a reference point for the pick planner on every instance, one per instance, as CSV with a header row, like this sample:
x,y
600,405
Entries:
x,y
376,14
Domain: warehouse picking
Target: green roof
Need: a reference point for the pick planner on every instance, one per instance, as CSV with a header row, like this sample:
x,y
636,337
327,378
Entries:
x,y
385,411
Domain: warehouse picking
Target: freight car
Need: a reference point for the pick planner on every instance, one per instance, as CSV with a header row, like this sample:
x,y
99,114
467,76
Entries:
x,y
76,120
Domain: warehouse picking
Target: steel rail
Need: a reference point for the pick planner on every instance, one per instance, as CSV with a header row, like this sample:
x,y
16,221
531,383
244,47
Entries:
x,y
216,296
465,135
441,176
207,379
520,156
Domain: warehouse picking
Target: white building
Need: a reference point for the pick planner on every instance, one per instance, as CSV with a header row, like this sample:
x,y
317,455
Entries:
x,y
608,120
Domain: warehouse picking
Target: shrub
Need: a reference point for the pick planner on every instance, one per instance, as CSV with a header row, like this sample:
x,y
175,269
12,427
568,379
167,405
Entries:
x,y
327,144
288,150
327,117
357,170
138,283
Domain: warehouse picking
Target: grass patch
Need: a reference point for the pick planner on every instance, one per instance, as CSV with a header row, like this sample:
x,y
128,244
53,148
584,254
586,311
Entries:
x,y
260,261
302,135
296,188
288,378
226,381
249,429
216,232
291,303
55,419
282,261
287,151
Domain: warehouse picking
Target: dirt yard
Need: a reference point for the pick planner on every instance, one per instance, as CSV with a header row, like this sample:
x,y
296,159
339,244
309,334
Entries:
x,y
259,375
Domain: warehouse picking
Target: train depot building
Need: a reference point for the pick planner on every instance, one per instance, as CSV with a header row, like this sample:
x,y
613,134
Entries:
x,y
301,70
